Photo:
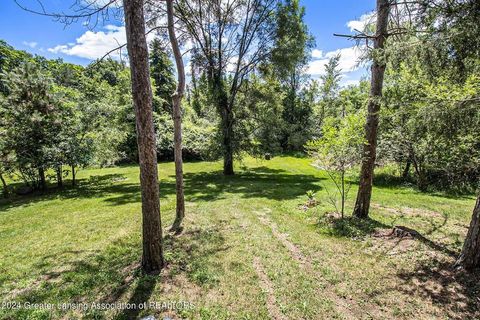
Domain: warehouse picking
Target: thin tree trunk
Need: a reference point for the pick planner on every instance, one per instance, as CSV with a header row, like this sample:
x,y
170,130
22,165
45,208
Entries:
x,y
59,176
42,180
421,181
152,258
177,119
406,170
73,176
470,257
5,186
362,204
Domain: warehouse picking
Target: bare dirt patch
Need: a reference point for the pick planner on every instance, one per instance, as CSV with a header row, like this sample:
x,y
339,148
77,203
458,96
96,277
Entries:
x,y
401,234
308,205
414,212
387,241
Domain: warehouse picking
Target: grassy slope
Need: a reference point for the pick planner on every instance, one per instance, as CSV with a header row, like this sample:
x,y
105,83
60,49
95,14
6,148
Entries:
x,y
83,245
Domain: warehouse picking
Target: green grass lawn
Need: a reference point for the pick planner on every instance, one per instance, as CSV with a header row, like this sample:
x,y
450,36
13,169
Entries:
x,y
248,250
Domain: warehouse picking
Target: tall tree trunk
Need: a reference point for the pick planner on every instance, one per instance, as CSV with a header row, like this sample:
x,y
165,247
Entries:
x,y
224,109
4,186
41,179
177,119
59,176
362,204
470,257
152,258
73,176
228,141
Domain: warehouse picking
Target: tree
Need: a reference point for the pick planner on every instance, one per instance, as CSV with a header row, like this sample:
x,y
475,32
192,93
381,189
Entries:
x,y
470,256
161,69
330,88
230,39
152,259
6,159
362,204
264,105
83,126
177,119
32,117
289,67
338,150
10,59
450,41
432,125
432,93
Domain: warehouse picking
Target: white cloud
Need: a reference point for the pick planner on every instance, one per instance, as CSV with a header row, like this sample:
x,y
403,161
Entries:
x,y
101,3
317,67
32,44
93,45
361,23
350,59
317,53
350,82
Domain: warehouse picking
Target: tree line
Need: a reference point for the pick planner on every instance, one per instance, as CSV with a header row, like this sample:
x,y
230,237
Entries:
x,y
250,93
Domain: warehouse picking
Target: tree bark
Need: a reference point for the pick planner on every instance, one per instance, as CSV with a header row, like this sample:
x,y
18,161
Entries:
x,y
224,108
177,119
421,179
362,204
470,257
42,180
5,186
152,258
227,122
59,176
73,176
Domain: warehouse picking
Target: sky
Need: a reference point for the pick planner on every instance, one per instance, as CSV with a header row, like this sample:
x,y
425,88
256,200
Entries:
x,y
80,44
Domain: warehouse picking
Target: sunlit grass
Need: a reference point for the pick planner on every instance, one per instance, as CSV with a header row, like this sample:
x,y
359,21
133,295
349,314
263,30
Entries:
x,y
83,245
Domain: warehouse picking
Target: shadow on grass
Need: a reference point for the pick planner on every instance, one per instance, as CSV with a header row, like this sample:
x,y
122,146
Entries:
x,y
92,187
349,227
191,254
259,182
141,294
112,275
453,292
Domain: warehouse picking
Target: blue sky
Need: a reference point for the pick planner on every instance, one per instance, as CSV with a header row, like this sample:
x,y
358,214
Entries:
x,y
77,44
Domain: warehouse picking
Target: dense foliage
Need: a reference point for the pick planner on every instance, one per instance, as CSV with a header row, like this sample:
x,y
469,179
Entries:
x,y
57,117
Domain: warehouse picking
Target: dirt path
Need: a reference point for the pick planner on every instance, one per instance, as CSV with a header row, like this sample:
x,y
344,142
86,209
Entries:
x,y
348,309
267,286
295,252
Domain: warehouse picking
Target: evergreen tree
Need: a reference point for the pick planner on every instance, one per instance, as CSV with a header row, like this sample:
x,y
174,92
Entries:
x,y
162,73
289,67
32,115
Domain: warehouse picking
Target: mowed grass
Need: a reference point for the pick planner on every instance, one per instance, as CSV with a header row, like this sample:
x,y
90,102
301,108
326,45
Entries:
x,y
83,245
